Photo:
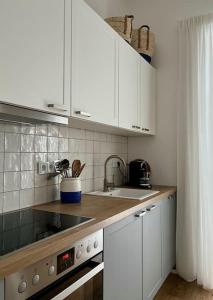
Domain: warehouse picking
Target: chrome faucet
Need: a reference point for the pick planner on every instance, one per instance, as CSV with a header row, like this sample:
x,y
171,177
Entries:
x,y
108,185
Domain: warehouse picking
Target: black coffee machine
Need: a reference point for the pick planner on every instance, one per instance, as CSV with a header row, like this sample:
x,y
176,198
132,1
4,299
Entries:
x,y
139,174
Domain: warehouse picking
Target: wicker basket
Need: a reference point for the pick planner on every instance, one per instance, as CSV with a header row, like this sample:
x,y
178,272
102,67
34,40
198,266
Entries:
x,y
123,26
143,40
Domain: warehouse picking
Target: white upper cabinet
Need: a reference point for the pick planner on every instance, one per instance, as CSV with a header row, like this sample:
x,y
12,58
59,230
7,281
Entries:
x,y
94,67
129,75
35,48
148,98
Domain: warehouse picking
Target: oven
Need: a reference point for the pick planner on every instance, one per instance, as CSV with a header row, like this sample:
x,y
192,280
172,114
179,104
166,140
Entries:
x,y
75,273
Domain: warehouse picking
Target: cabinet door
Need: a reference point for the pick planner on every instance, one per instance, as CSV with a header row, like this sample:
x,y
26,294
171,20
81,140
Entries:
x,y
33,53
148,98
151,252
168,217
123,260
94,80
129,74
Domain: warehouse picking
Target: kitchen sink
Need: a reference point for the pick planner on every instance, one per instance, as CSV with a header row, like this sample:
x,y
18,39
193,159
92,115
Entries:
x,y
126,193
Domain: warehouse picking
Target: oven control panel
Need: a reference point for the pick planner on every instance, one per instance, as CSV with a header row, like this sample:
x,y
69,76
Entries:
x,y
33,279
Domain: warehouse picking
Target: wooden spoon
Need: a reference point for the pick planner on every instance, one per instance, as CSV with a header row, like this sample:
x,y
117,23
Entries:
x,y
76,166
81,169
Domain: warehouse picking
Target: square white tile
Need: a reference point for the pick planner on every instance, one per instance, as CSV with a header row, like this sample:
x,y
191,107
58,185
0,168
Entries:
x,y
53,193
28,129
1,202
52,144
89,147
40,180
63,145
1,162
27,198
27,161
12,162
76,133
11,201
1,141
1,182
89,185
27,179
52,130
12,142
41,129
40,195
40,143
63,131
27,143
11,181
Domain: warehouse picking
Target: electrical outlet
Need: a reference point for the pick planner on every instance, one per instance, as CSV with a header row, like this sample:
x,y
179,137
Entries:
x,y
51,168
42,168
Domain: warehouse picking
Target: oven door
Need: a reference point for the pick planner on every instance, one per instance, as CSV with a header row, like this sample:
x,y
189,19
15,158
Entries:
x,y
83,283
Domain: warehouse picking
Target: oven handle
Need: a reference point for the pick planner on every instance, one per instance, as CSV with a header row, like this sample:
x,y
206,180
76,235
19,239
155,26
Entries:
x,y
79,283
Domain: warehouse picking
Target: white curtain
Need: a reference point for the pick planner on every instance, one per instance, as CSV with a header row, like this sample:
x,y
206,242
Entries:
x,y
195,151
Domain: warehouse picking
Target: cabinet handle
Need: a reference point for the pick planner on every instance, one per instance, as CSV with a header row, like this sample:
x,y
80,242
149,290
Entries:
x,y
140,214
136,127
151,208
83,113
57,107
145,129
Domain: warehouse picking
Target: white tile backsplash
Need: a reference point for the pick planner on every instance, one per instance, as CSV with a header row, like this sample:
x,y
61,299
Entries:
x,y
27,179
12,142
21,147
1,162
11,201
27,161
1,182
11,181
12,162
1,202
27,143
1,142
40,195
27,198
40,144
52,144
41,129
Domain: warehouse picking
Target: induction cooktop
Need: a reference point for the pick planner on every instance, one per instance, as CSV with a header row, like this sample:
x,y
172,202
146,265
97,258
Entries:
x,y
27,226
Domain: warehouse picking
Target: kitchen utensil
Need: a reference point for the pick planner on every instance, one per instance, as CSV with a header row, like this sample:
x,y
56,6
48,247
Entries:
x,y
81,169
76,166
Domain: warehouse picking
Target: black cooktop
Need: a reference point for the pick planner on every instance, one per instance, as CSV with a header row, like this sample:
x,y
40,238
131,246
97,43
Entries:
x,y
24,227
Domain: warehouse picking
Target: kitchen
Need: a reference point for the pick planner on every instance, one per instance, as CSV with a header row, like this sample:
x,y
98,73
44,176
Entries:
x,y
72,89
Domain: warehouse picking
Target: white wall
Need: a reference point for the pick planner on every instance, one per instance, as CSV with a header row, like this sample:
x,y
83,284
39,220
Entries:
x,y
162,16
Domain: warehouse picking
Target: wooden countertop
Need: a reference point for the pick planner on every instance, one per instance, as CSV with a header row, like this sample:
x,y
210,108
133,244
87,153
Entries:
x,y
105,210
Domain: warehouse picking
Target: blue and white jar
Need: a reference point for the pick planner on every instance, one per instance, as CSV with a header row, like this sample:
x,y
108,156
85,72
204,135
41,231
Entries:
x,y
70,190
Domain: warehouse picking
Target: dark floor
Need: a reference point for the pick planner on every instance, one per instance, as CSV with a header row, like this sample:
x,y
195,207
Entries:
x,y
176,288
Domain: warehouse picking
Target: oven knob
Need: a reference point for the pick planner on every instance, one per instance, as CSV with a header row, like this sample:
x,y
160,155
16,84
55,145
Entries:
x,y
96,244
22,287
35,279
51,270
78,254
89,248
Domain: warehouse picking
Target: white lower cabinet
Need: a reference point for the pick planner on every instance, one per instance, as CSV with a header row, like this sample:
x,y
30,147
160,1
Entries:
x,y
152,251
123,260
168,223
139,252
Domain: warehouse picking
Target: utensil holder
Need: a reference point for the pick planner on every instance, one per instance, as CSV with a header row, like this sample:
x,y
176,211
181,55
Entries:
x,y
70,190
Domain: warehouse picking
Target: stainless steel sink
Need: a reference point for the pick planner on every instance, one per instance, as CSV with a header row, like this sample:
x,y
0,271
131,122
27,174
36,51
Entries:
x,y
126,193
